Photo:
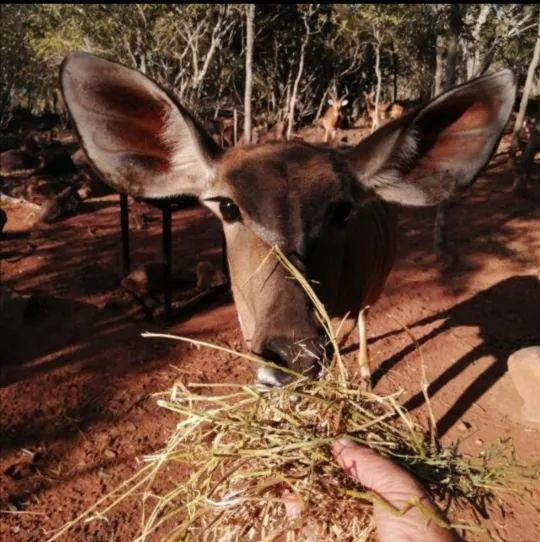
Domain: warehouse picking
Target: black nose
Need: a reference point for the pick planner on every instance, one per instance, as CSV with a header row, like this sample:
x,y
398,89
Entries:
x,y
304,357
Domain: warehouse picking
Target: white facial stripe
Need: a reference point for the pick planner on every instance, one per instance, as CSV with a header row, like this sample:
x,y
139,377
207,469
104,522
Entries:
x,y
213,206
268,236
246,338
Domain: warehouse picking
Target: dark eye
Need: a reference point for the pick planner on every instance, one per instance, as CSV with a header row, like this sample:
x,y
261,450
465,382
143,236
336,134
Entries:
x,y
229,210
341,214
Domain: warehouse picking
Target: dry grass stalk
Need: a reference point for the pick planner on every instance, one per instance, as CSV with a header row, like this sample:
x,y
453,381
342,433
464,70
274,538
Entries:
x,y
242,447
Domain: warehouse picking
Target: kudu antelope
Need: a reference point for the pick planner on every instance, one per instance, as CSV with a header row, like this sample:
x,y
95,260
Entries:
x,y
332,211
394,111
332,117
385,111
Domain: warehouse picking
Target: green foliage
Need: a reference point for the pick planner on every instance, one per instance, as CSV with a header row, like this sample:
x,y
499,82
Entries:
x,y
16,60
197,50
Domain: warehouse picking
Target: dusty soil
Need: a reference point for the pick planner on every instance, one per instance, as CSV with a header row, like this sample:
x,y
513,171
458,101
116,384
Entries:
x,y
77,378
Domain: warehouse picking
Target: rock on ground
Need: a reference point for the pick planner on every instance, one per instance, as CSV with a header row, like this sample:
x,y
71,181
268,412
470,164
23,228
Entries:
x,y
524,368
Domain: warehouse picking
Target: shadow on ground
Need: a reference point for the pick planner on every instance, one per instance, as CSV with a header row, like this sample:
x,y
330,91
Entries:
x,y
506,318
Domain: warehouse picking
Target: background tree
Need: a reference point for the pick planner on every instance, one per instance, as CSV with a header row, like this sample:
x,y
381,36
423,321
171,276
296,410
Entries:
x,y
250,23
199,51
524,100
524,169
440,230
452,45
310,27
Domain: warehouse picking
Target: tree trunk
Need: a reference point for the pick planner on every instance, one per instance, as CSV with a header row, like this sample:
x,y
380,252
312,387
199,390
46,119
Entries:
x,y
395,70
440,240
321,105
520,184
439,59
377,48
440,231
452,49
524,99
250,21
498,45
473,50
142,60
139,54
488,59
292,104
284,111
235,127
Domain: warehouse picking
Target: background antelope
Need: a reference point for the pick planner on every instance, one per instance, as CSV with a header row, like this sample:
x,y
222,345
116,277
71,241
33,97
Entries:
x,y
331,211
384,112
332,117
394,110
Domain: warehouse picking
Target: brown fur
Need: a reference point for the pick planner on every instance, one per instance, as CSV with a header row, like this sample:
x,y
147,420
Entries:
x,y
330,210
283,203
331,119
385,111
395,110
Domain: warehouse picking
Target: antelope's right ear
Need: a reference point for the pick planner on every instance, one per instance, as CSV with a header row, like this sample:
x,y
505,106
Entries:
x,y
137,138
330,102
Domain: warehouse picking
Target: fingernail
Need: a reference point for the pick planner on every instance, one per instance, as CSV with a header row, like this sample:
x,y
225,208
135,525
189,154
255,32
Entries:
x,y
343,442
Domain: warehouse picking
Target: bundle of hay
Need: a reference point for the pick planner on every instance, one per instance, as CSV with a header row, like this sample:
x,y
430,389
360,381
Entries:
x,y
243,447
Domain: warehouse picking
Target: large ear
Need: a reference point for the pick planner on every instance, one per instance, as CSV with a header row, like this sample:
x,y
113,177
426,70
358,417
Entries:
x,y
344,103
138,139
428,155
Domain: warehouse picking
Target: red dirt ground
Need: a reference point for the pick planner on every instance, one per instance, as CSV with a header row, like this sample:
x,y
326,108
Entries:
x,y
77,378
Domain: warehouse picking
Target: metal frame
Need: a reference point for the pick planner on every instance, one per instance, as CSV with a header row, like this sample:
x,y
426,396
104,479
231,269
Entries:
x,y
166,207
166,213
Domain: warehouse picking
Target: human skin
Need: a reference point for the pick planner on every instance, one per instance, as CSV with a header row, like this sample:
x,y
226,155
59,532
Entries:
x,y
392,484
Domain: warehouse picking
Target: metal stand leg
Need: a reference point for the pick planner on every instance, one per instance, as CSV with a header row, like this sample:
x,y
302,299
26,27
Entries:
x,y
167,258
124,226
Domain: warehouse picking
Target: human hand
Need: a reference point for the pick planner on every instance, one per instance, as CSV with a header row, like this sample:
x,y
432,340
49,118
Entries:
x,y
392,484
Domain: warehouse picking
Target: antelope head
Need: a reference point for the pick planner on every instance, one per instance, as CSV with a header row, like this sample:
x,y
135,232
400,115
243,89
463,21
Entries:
x,y
330,211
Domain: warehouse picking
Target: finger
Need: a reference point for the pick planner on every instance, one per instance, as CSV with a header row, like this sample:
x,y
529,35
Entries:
x,y
293,504
373,470
396,486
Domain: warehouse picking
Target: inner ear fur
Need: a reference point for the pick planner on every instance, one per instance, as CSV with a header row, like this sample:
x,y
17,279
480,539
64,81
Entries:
x,y
437,150
137,137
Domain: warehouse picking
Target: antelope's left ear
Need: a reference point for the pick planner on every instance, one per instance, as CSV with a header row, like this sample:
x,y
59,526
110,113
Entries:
x,y
344,103
428,155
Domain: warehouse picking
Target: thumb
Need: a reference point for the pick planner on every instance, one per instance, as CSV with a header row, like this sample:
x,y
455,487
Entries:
x,y
397,487
374,471
293,504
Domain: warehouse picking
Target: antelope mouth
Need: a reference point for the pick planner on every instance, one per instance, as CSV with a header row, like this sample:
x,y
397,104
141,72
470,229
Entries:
x,y
304,358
